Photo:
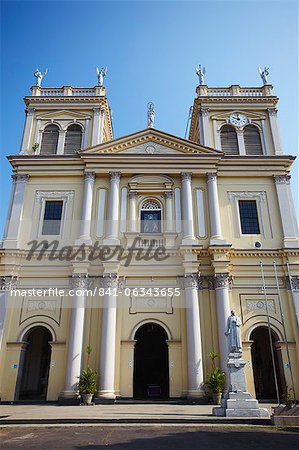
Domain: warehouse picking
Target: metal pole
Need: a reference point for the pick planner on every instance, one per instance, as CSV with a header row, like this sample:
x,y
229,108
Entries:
x,y
284,329
270,335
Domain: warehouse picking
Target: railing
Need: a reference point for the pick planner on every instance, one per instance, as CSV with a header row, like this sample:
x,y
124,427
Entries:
x,y
234,91
150,242
67,91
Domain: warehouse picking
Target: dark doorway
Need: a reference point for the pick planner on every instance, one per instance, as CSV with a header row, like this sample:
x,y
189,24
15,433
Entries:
x,y
264,381
151,371
36,365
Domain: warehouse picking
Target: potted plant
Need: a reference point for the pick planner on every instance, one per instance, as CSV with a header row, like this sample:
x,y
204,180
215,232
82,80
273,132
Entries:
x,y
87,381
216,380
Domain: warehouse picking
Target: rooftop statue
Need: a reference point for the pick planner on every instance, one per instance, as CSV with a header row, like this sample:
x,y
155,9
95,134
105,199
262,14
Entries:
x,y
150,115
101,74
39,76
264,74
200,72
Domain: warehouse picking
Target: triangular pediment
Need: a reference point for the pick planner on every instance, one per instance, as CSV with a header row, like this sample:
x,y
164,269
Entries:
x,y
63,114
152,141
249,114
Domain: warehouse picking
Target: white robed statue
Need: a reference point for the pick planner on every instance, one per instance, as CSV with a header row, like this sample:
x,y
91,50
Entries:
x,y
233,333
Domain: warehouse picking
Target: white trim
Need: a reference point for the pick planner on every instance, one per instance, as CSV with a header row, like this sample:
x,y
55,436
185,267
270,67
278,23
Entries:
x,y
145,321
34,325
259,197
42,197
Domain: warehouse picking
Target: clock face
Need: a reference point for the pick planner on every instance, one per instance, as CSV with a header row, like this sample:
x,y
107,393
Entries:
x,y
238,119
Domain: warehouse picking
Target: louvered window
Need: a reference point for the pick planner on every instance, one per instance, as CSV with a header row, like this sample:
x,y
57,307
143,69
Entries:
x,y
252,140
73,139
229,140
49,140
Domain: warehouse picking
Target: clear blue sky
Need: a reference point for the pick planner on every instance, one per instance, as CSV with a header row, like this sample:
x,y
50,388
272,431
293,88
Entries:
x,y
150,49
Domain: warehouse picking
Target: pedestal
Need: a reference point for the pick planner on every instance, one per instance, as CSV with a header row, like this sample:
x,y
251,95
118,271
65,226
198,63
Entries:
x,y
238,402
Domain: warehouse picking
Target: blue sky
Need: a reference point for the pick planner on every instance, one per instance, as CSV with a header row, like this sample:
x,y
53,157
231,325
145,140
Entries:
x,y
150,49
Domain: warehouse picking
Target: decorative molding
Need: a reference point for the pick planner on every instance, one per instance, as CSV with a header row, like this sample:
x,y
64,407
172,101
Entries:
x,y
110,281
89,176
253,305
68,195
20,177
272,112
44,305
222,280
293,283
115,176
211,176
186,176
192,281
80,281
236,195
8,283
30,112
282,179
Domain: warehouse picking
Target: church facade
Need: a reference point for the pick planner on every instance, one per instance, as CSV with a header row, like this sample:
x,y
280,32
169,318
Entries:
x,y
140,247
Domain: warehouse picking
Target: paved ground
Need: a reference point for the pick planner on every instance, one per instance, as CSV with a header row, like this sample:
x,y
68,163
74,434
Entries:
x,y
149,437
119,412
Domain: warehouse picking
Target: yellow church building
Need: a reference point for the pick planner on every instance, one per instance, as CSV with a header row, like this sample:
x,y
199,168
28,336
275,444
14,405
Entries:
x,y
140,246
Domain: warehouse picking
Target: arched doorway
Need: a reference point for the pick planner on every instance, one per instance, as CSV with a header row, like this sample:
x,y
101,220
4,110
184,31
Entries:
x,y
36,364
264,381
151,368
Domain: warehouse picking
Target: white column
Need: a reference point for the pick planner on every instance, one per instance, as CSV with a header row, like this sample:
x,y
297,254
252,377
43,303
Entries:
x,y
216,234
85,227
6,284
108,337
96,126
188,216
133,211
195,365
287,211
169,212
86,133
101,132
113,216
294,287
206,128
263,136
12,229
61,141
76,332
123,210
178,210
275,131
200,127
27,131
223,312
241,143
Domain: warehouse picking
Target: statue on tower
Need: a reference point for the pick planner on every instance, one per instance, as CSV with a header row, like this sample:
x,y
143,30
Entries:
x,y
233,333
39,76
150,115
264,74
200,72
101,74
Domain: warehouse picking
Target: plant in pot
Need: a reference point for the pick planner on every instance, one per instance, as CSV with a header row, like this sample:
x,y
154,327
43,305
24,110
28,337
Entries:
x,y
87,381
216,380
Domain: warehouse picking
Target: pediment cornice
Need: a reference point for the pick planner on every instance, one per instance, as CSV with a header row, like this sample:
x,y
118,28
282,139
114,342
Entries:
x,y
179,145
249,114
63,113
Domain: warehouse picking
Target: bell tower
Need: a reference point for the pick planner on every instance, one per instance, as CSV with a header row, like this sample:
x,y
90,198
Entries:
x,y
237,120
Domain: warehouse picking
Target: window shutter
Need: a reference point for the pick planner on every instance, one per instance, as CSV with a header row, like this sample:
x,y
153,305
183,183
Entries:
x,y
252,140
229,140
49,140
73,139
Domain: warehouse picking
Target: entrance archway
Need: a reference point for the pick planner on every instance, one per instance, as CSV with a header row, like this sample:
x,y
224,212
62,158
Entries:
x,y
36,364
264,381
151,368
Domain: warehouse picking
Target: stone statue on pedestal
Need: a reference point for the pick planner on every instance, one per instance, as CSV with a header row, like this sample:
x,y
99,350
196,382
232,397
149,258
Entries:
x,y
233,333
101,74
39,76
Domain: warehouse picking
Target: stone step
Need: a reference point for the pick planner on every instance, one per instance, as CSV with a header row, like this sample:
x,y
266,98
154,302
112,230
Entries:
x,y
239,395
259,412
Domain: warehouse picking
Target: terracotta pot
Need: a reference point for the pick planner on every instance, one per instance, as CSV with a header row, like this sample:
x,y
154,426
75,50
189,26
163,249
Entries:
x,y
217,398
87,398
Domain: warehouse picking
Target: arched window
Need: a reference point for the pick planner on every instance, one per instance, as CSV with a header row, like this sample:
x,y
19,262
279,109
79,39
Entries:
x,y
252,140
49,140
150,216
73,139
229,140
